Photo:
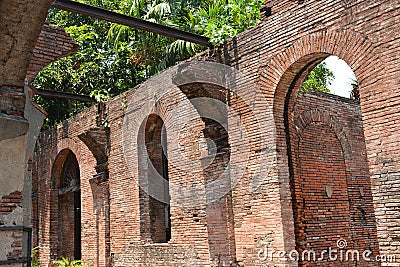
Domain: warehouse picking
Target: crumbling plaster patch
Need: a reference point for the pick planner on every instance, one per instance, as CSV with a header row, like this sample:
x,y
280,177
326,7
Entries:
x,y
7,238
12,168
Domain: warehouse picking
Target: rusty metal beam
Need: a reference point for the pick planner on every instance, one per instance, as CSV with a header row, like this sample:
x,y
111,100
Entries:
x,y
114,17
62,95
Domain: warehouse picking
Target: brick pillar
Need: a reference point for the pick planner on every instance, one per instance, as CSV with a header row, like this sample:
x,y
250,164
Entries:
x,y
101,206
220,223
20,121
17,141
98,142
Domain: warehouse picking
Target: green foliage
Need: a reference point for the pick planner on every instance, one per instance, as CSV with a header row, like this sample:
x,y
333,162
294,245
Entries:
x,y
221,19
355,92
97,69
65,262
34,256
114,58
319,79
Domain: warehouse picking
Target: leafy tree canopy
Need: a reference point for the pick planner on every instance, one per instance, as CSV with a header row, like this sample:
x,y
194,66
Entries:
x,y
319,79
115,58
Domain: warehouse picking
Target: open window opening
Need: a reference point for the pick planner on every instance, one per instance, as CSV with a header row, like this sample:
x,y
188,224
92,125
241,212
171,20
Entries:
x,y
333,76
154,192
329,176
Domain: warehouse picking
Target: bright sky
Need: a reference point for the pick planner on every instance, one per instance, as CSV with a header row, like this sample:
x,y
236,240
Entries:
x,y
343,76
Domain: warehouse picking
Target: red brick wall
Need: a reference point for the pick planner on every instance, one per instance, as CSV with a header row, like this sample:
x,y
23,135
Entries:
x,y
222,239
276,55
101,199
8,204
220,219
66,225
328,150
53,43
189,243
52,155
322,219
129,242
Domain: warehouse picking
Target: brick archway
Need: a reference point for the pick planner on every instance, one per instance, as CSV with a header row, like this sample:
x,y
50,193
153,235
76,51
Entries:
x,y
303,120
65,198
330,183
321,199
283,75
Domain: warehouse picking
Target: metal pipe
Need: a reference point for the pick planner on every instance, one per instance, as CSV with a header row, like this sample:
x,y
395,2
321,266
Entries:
x,y
62,95
136,23
28,230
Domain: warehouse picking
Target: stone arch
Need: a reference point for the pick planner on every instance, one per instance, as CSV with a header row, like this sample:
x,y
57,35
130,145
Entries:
x,y
63,144
283,75
305,53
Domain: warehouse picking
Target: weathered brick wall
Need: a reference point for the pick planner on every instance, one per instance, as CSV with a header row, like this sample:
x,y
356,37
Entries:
x,y
130,240
19,31
185,248
50,157
53,43
280,51
8,204
220,219
101,208
276,55
66,225
330,181
189,244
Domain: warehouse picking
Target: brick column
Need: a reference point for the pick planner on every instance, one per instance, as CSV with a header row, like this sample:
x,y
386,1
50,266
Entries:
x,y
101,206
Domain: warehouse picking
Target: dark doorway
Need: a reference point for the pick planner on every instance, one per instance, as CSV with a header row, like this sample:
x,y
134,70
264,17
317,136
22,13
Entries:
x,y
69,209
77,225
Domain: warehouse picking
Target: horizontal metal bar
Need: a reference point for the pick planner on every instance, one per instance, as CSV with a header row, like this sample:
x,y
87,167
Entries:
x,y
136,23
22,260
63,95
13,228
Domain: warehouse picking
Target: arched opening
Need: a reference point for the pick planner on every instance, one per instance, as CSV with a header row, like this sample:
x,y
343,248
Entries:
x,y
328,170
334,76
154,189
67,185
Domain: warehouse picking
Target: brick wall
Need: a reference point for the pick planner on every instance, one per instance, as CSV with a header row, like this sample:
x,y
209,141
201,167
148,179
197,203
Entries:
x,y
8,204
330,182
276,55
53,43
221,239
